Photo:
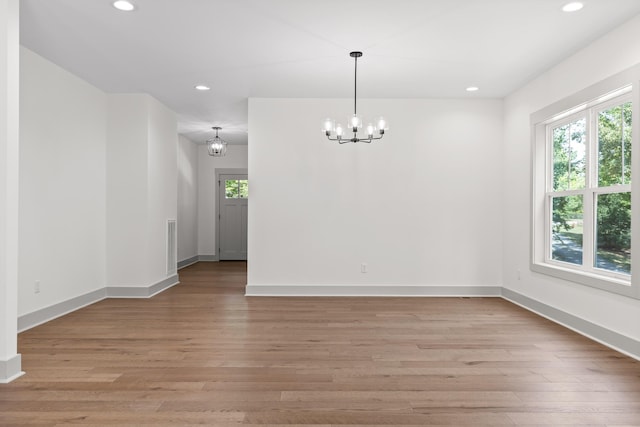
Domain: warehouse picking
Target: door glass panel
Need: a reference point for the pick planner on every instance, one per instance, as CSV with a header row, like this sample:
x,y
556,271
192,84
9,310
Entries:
x,y
231,190
566,229
243,186
613,232
236,188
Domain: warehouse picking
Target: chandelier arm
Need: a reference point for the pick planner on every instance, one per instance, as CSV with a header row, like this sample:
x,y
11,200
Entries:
x,y
366,140
336,138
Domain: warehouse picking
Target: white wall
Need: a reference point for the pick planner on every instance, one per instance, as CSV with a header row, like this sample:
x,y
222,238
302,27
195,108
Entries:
x,y
187,198
10,364
609,55
236,158
62,184
163,185
142,195
420,207
127,197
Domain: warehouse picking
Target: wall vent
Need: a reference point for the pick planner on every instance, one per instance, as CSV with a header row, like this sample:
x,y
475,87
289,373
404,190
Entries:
x,y
172,248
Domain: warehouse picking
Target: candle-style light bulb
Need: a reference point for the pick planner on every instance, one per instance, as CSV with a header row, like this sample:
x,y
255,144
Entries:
x,y
356,122
382,125
327,126
370,130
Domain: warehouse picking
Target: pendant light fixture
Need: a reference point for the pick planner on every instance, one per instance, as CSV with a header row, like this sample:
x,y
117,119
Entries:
x,y
217,146
336,132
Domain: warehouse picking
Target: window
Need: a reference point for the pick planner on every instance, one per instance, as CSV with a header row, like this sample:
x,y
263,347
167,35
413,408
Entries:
x,y
589,189
582,189
236,188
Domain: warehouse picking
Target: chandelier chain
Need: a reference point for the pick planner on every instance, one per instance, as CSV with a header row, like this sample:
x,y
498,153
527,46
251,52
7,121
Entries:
x,y
355,88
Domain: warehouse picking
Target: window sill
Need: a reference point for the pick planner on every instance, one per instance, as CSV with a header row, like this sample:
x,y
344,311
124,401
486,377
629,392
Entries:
x,y
606,283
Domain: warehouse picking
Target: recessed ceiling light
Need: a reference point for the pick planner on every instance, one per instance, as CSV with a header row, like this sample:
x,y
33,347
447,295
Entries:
x,y
472,88
572,7
124,5
201,87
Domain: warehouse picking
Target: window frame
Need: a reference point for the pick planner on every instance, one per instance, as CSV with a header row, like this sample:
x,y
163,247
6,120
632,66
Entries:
x,y
618,89
238,189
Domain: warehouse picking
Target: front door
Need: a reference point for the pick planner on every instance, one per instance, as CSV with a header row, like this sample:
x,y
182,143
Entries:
x,y
233,193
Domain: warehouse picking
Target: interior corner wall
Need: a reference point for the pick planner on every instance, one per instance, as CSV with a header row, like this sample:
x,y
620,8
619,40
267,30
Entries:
x,y
609,55
162,177
141,189
423,206
98,182
187,199
236,158
62,185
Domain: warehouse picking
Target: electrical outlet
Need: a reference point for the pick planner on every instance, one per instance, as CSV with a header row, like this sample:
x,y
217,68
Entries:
x,y
36,287
363,268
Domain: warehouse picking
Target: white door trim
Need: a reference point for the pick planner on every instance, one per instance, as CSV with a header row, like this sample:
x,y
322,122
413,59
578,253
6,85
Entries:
x,y
216,197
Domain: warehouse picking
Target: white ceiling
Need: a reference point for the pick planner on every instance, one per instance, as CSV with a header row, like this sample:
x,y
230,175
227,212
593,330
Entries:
x,y
300,48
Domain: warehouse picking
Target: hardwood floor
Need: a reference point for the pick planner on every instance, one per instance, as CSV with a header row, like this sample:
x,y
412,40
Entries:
x,y
201,353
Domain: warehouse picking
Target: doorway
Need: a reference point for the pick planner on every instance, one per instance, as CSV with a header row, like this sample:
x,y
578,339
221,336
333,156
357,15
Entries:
x,y
233,197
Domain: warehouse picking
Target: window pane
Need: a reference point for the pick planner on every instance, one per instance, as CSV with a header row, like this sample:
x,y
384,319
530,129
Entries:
x,y
566,229
244,188
613,232
614,145
569,156
231,188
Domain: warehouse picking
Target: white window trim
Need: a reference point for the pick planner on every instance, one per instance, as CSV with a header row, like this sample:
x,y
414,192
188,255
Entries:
x,y
571,107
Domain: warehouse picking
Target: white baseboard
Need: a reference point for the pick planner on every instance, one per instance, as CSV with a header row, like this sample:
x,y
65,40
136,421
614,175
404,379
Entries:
x,y
142,291
43,315
607,337
11,369
38,317
371,291
188,261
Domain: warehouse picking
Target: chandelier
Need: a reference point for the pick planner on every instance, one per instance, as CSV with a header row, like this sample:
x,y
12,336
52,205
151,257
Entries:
x,y
336,132
217,146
